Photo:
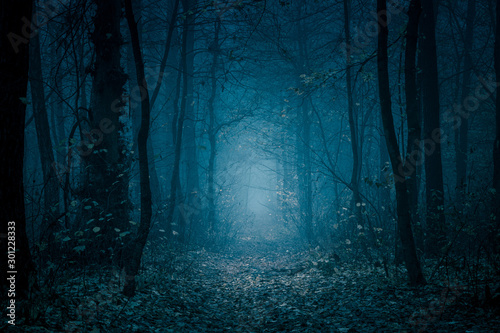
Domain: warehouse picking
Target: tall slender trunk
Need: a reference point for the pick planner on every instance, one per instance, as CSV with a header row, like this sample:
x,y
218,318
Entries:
x,y
404,218
173,83
384,197
57,110
135,109
413,152
168,44
414,156
81,105
356,165
14,66
435,218
304,134
212,132
178,130
190,146
103,149
462,132
306,172
134,251
155,181
134,92
174,177
287,174
51,186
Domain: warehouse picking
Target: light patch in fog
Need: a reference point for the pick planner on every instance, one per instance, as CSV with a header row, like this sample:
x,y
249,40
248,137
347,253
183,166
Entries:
x,y
262,199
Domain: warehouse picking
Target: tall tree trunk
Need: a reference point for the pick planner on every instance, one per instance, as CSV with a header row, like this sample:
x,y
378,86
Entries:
x,y
135,105
178,130
134,251
384,195
356,165
413,152
57,110
136,97
212,132
305,170
51,186
191,160
435,218
134,102
414,156
168,43
107,188
174,123
14,66
287,173
304,134
462,132
404,218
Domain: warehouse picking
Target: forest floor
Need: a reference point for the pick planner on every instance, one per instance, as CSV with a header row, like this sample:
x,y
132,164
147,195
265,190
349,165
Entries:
x,y
259,287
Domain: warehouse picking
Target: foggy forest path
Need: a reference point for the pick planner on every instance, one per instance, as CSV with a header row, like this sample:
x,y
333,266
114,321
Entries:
x,y
260,286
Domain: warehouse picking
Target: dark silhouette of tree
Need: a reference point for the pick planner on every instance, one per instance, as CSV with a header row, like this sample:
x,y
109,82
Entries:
x,y
413,151
303,147
212,131
104,150
192,181
133,252
414,155
356,163
434,190
403,211
178,130
462,133
50,181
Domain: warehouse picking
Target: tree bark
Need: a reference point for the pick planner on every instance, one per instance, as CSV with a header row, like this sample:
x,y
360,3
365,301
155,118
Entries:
x,y
57,109
135,102
304,170
413,152
404,218
356,166
51,186
414,156
435,218
212,132
178,130
103,149
168,43
462,133
134,251
304,135
191,161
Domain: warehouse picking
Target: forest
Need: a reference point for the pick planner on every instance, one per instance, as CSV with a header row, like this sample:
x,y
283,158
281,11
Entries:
x,y
250,166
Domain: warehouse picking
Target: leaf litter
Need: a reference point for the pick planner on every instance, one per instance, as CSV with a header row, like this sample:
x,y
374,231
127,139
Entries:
x,y
258,288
